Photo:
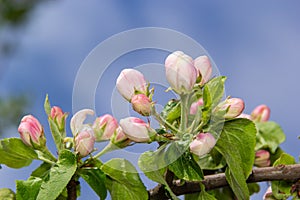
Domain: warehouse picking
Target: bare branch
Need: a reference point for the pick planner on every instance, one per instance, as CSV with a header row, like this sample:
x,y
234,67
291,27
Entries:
x,y
281,172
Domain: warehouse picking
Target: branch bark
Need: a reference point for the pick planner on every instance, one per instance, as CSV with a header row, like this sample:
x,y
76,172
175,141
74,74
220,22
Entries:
x,y
280,172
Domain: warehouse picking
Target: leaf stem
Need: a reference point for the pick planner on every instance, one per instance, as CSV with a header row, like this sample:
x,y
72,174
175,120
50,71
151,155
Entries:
x,y
164,122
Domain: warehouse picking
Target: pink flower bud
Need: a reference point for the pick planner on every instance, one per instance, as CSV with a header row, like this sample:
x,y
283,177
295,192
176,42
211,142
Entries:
x,y
58,116
195,106
84,142
203,144
136,129
104,127
180,72
261,113
233,107
243,115
130,81
31,131
120,139
262,158
77,120
204,68
141,104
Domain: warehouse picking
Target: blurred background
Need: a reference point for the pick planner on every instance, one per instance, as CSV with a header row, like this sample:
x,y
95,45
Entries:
x,y
43,43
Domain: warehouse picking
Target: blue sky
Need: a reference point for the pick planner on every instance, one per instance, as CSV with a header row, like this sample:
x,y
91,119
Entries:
x,y
255,43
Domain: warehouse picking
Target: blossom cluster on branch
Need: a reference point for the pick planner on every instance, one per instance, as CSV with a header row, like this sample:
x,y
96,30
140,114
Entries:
x,y
200,133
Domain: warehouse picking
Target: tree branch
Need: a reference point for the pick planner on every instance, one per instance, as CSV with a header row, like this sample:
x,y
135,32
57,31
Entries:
x,y
280,172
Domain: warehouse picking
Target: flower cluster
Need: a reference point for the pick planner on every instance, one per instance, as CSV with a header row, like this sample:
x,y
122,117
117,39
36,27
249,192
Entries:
x,y
201,130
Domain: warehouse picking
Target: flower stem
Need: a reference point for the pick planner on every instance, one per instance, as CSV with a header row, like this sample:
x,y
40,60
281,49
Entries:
x,y
164,122
184,113
110,147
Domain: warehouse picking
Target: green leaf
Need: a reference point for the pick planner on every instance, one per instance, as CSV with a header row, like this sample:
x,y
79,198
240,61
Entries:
x,y
57,135
15,154
28,189
202,195
95,178
47,105
124,181
184,166
42,171
270,135
236,144
213,92
7,194
282,189
59,176
215,87
171,111
153,165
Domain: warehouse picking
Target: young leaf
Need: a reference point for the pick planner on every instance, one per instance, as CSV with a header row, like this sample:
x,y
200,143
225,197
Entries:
x,y
57,135
236,144
154,166
15,154
47,105
59,176
171,111
270,135
28,189
215,87
124,181
184,166
7,194
96,179
42,171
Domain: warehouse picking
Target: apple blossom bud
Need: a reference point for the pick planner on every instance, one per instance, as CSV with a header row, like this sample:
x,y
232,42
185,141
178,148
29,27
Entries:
x,y
180,72
204,68
120,139
58,116
269,195
136,129
104,127
202,144
243,115
232,107
77,120
84,142
31,132
261,113
262,158
195,106
141,104
131,81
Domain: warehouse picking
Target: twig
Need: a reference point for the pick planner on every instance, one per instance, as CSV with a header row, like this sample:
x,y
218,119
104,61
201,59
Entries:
x,y
281,172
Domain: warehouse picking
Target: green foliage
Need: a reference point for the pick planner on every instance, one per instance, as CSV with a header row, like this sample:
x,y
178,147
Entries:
x,y
270,135
28,189
282,189
123,180
95,178
59,176
236,144
7,194
184,166
154,166
15,154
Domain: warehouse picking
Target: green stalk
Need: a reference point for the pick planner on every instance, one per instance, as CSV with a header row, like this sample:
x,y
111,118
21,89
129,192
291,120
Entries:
x,y
164,122
184,113
110,147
